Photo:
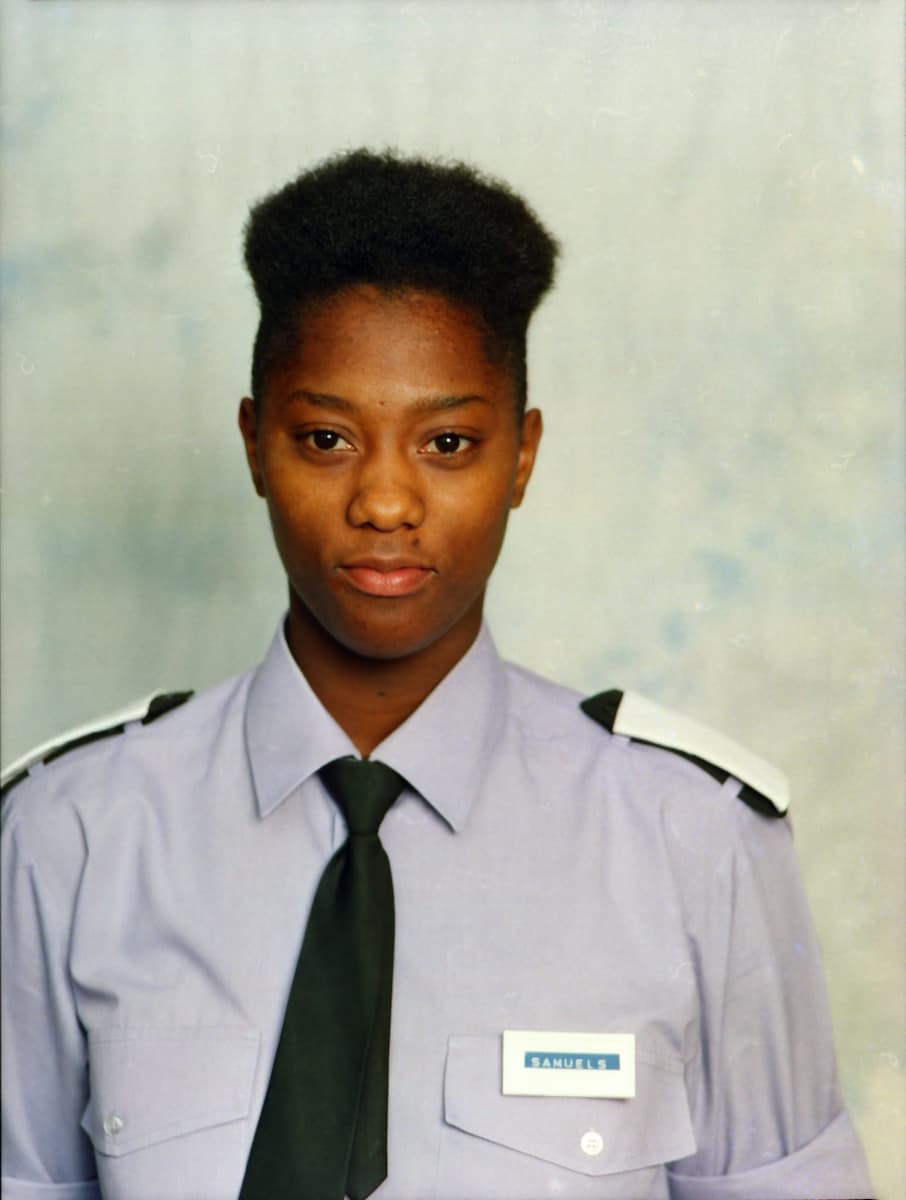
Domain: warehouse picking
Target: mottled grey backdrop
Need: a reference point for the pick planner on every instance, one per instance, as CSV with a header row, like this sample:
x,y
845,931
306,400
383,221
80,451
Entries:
x,y
717,516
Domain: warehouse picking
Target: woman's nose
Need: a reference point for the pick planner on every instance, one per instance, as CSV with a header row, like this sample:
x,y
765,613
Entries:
x,y
387,495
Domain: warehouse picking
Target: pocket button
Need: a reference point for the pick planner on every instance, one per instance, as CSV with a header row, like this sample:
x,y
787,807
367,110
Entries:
x,y
591,1142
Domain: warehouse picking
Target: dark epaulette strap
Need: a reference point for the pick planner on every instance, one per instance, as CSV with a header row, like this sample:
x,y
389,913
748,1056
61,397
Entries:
x,y
763,786
144,711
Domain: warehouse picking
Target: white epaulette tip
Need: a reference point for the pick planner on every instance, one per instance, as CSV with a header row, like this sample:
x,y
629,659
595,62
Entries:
x,y
136,711
646,721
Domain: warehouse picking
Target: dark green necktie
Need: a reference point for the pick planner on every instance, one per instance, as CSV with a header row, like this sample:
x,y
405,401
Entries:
x,y
322,1133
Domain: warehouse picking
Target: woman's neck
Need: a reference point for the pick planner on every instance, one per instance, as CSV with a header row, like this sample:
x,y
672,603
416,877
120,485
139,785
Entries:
x,y
370,697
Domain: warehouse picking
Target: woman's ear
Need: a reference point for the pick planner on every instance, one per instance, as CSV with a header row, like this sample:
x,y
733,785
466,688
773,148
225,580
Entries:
x,y
248,427
530,436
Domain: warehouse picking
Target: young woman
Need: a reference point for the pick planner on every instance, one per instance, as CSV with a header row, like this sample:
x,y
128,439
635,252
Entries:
x,y
593,974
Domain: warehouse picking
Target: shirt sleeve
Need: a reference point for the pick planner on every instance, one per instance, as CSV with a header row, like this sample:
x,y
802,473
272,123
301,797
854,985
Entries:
x,y
768,1117
46,1155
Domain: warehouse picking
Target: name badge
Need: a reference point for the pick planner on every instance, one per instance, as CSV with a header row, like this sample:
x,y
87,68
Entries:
x,y
542,1063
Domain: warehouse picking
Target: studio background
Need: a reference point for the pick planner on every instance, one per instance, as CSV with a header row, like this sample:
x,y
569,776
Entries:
x,y
717,514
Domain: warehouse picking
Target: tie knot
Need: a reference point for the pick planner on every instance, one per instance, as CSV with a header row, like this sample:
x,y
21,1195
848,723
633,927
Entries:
x,y
363,791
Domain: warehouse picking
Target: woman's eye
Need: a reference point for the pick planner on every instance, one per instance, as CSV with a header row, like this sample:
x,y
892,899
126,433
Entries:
x,y
325,439
449,444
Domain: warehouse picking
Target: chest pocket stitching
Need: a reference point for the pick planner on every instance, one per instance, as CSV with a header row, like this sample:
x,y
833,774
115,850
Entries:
x,y
160,1083
651,1129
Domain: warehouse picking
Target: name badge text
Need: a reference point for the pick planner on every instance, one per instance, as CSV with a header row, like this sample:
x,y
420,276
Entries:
x,y
540,1062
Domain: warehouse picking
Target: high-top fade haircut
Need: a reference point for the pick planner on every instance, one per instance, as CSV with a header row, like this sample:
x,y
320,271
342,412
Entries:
x,y
397,223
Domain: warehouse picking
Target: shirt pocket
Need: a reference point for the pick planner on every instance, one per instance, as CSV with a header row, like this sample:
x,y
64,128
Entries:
x,y
169,1103
551,1140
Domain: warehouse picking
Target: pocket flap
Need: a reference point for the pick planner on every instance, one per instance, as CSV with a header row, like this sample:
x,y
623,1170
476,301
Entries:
x,y
147,1085
592,1136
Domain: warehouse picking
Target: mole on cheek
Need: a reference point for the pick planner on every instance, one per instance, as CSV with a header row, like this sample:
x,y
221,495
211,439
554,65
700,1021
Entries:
x,y
416,542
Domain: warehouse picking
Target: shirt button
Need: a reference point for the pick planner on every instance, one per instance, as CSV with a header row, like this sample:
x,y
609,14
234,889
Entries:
x,y
113,1124
592,1142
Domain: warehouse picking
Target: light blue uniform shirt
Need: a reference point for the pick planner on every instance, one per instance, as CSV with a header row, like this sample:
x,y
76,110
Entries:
x,y
548,876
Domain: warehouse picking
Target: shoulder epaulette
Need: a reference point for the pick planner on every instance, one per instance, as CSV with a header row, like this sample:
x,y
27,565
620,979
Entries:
x,y
764,787
144,711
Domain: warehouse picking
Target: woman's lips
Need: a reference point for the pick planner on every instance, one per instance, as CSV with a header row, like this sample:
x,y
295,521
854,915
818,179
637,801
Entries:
x,y
386,581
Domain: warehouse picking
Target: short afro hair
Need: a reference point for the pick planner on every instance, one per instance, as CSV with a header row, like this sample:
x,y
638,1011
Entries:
x,y
396,223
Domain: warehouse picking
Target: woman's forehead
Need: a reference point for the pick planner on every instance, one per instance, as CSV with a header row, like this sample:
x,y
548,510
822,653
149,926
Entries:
x,y
411,342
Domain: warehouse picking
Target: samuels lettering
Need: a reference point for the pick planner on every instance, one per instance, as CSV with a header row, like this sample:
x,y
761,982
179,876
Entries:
x,y
546,1061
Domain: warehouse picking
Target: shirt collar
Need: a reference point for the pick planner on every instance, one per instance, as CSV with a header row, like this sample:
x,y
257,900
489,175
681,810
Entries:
x,y
288,732
441,749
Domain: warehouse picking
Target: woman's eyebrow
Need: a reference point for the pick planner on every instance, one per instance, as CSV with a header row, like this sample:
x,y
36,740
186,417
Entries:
x,y
424,404
321,400
440,403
